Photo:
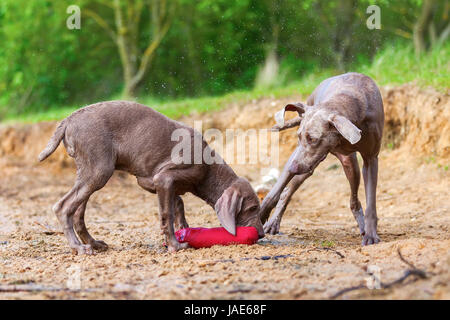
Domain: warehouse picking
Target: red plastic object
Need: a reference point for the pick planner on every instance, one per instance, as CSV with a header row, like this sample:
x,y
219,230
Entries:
x,y
208,237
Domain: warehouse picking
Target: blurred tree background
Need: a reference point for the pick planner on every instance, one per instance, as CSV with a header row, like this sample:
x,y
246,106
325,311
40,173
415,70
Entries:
x,y
171,49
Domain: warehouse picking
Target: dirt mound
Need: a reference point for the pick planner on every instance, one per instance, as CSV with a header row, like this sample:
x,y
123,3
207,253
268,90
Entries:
x,y
21,144
418,120
417,123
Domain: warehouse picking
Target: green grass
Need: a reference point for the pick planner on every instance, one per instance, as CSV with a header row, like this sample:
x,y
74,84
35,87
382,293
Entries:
x,y
393,65
176,108
397,65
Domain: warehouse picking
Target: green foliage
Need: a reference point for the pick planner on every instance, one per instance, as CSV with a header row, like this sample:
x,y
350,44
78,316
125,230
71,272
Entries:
x,y
174,108
393,65
213,47
399,64
44,63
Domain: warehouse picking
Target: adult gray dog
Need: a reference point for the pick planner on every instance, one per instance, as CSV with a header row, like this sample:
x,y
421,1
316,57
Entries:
x,y
343,115
121,135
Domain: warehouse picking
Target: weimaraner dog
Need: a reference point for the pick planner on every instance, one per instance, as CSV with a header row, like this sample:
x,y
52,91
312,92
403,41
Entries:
x,y
121,135
343,115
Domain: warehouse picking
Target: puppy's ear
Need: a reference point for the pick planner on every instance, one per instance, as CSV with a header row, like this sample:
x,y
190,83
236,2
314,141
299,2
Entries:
x,y
299,107
227,208
346,128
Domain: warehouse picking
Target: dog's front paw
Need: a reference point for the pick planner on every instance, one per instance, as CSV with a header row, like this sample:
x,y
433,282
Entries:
x,y
272,226
370,238
174,247
83,249
370,235
99,245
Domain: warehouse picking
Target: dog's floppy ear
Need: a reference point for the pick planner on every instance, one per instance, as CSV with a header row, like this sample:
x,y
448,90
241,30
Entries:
x,y
279,116
346,128
227,208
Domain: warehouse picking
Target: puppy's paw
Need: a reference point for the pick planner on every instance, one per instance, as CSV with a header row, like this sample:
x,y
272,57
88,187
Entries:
x,y
369,239
370,235
177,246
99,245
83,249
272,226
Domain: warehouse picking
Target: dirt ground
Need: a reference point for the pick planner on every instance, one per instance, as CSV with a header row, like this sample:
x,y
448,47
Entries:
x,y
319,245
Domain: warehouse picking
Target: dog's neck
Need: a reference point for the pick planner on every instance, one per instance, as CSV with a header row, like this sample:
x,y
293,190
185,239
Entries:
x,y
215,182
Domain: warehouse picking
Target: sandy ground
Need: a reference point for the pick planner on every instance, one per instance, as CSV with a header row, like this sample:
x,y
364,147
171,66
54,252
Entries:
x,y
318,250
413,207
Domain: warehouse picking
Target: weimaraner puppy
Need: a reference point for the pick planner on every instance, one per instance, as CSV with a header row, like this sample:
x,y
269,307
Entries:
x,y
121,135
343,115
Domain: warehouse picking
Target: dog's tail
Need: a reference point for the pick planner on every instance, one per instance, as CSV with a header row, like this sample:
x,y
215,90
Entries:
x,y
55,140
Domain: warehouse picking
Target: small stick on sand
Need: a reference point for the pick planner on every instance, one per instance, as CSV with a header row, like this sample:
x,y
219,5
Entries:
x,y
50,230
39,288
410,272
211,262
29,288
328,249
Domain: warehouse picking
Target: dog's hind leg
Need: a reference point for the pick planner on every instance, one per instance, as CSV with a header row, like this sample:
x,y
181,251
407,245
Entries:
x,y
352,172
88,181
370,174
80,228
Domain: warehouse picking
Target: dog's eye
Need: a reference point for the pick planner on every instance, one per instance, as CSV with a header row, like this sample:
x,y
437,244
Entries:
x,y
311,140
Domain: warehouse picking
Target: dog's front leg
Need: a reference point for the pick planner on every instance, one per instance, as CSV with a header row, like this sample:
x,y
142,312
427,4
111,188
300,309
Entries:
x,y
273,225
164,184
272,198
370,175
180,219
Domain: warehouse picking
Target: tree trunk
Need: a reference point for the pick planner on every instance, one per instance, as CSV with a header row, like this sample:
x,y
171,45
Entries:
x,y
129,64
126,36
422,26
268,74
129,89
345,16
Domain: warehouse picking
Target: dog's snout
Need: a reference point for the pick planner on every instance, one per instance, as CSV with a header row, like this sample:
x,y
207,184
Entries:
x,y
259,227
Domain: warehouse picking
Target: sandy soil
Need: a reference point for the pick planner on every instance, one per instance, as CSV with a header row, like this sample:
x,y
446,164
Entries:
x,y
319,244
413,208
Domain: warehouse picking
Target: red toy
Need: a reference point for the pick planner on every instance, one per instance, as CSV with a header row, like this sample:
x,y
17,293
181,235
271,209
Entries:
x,y
205,237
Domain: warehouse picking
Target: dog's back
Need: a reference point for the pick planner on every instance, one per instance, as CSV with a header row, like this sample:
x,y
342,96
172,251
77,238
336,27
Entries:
x,y
137,137
354,95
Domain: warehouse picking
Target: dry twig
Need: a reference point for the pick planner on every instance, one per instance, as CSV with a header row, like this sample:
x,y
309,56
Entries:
x,y
413,271
49,230
31,287
328,249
